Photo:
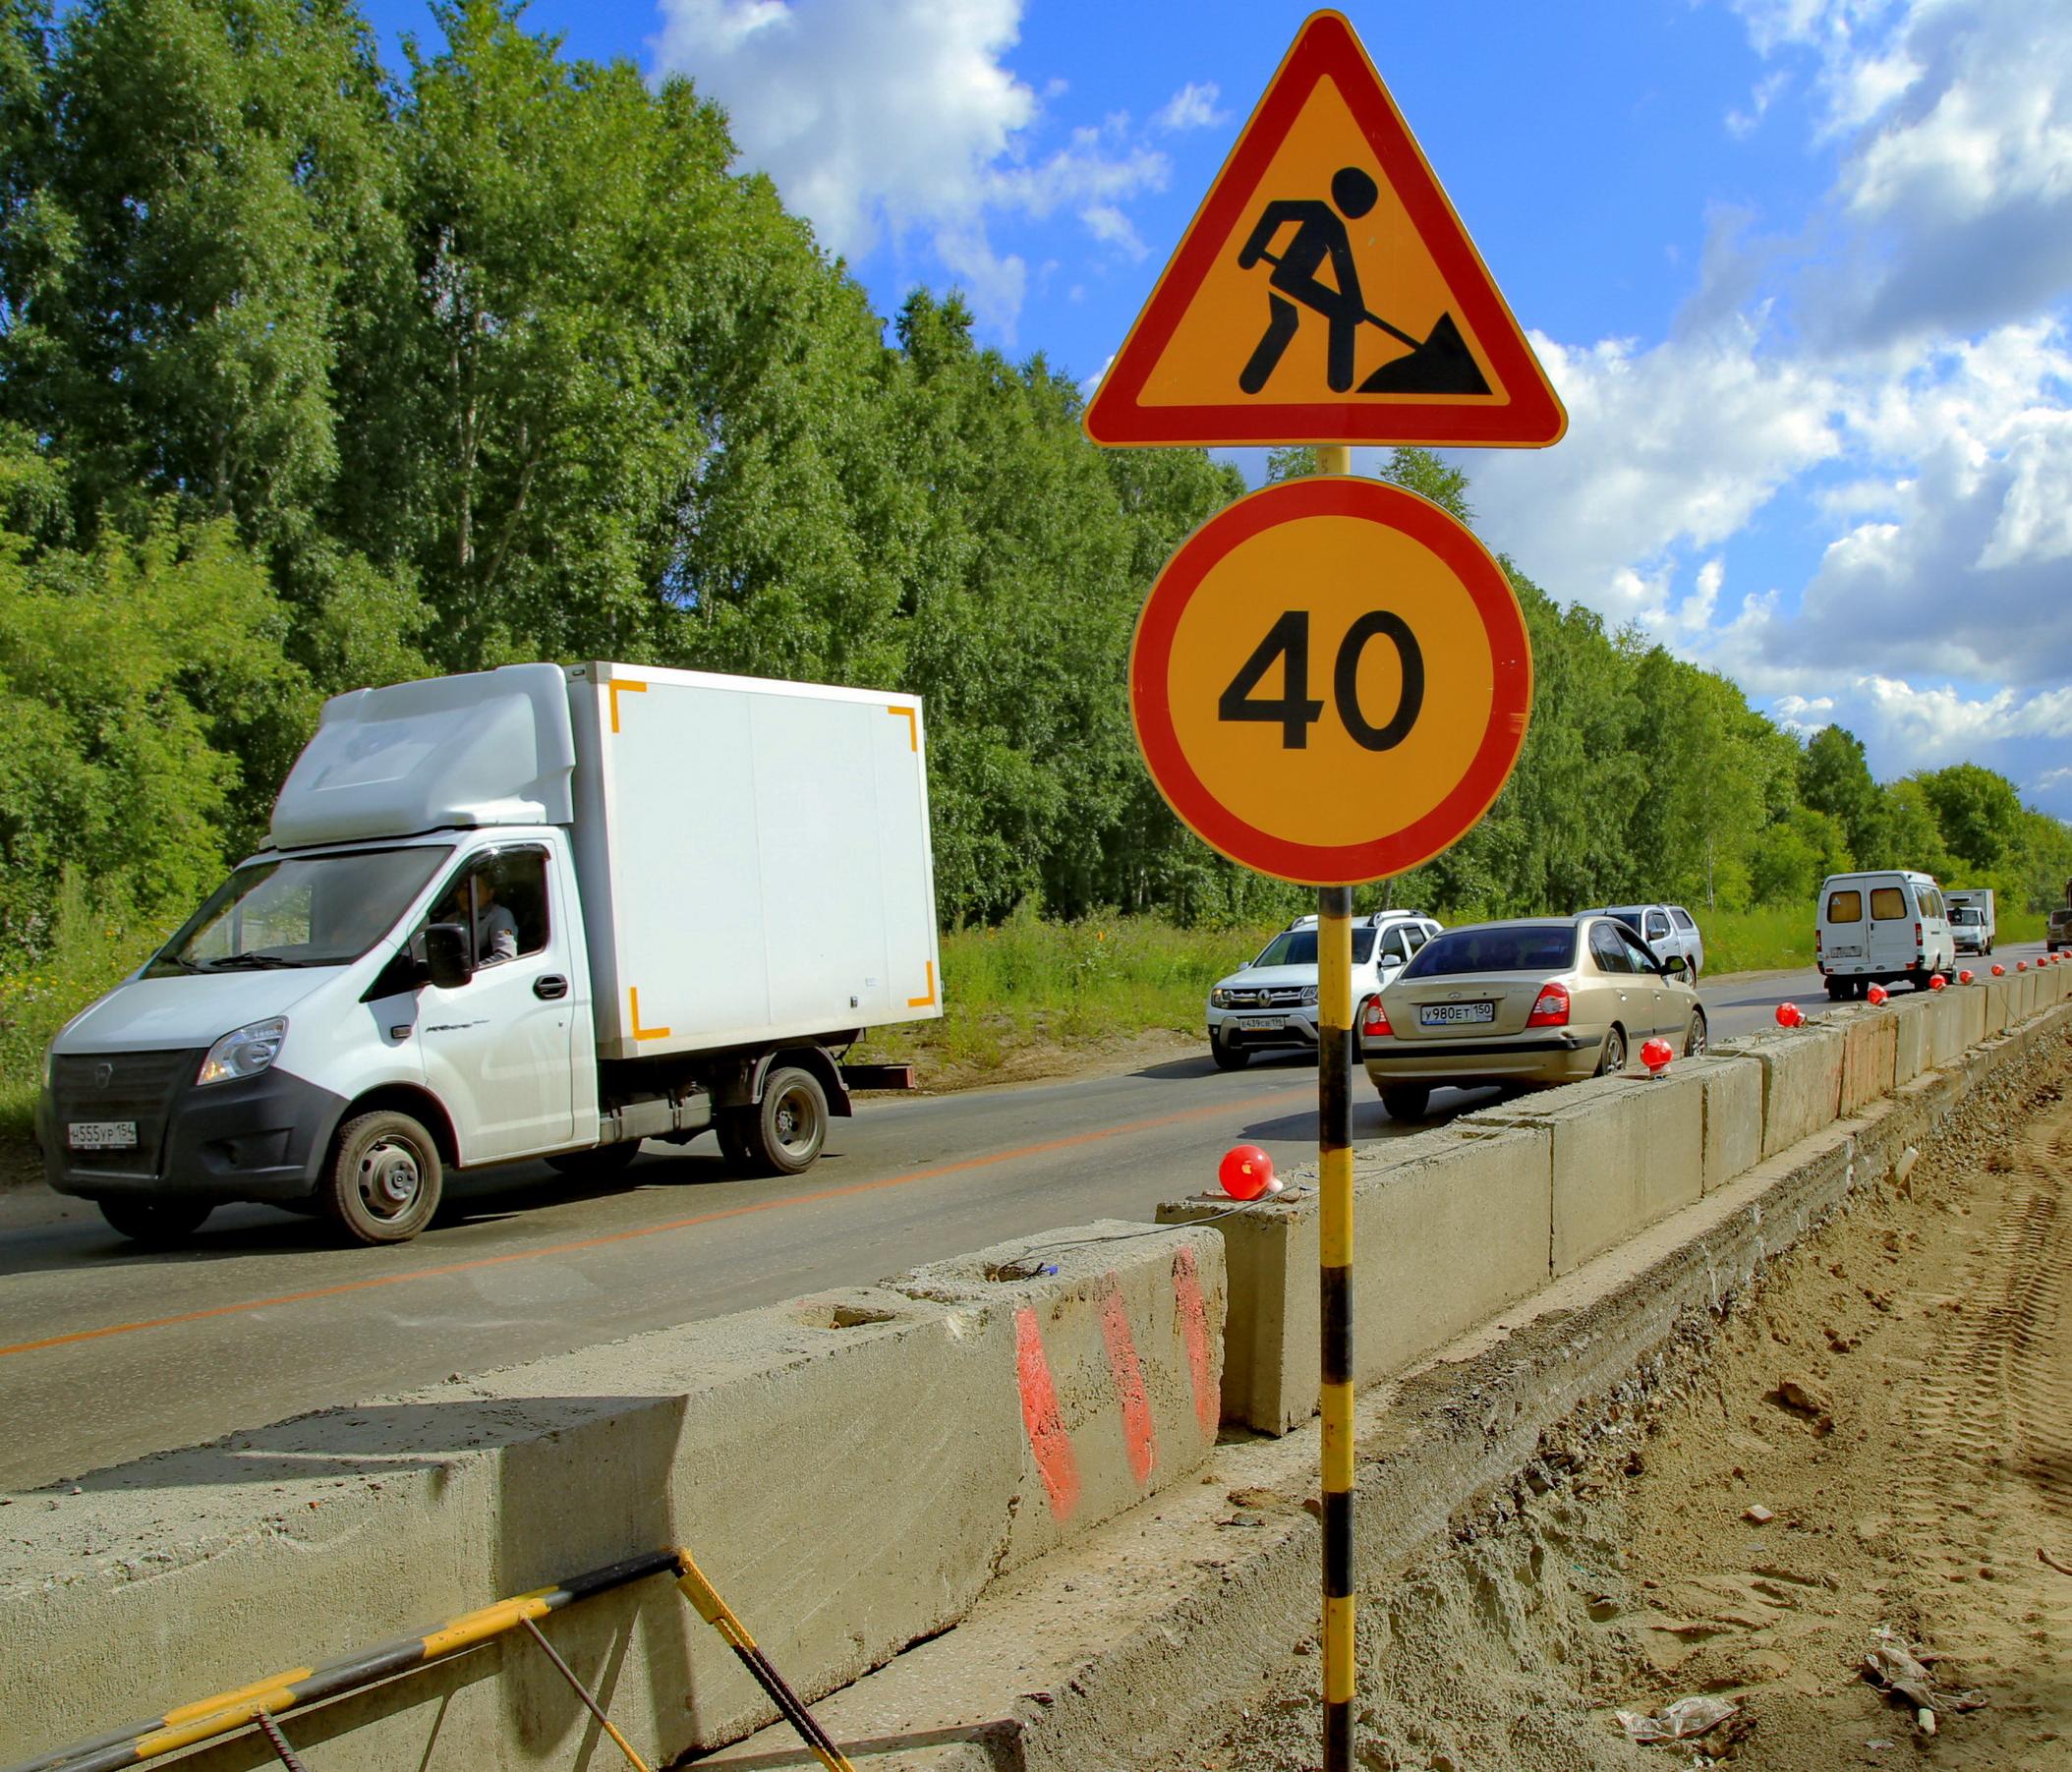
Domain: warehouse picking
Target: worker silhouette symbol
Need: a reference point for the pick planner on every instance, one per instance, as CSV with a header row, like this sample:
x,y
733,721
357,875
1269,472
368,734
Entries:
x,y
1440,364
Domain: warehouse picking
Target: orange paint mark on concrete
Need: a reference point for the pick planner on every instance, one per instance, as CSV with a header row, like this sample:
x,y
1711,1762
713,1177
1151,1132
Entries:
x,y
1194,1334
1055,1462
1138,1435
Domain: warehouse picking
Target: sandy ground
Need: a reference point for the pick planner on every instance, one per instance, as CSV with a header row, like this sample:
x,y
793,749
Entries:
x,y
1898,1400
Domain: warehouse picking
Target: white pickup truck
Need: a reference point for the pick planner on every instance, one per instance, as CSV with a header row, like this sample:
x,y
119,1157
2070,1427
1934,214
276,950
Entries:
x,y
536,912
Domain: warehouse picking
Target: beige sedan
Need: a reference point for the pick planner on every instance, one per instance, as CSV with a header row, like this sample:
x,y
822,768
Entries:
x,y
1535,1003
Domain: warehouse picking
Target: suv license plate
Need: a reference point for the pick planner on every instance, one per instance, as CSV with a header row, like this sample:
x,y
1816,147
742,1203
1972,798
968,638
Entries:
x,y
101,1136
1455,1014
1264,1024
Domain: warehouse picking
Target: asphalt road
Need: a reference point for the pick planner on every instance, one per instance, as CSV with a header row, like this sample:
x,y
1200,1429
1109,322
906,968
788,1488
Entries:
x,y
108,1352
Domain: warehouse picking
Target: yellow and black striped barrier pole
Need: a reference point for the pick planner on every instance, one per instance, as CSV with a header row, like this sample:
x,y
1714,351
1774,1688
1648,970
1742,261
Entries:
x,y
716,1612
1334,962
204,1721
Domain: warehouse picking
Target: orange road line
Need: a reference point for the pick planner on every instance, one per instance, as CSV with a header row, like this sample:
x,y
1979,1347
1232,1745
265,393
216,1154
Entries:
x,y
961,1166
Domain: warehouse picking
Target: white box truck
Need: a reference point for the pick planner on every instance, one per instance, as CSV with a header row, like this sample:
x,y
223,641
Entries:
x,y
1974,922
535,912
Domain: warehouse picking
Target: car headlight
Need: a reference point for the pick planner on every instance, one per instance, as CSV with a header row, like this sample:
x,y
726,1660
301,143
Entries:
x,y
245,1053
1219,998
1308,997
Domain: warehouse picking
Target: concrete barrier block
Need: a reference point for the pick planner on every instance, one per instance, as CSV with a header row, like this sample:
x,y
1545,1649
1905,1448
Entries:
x,y
849,1469
1118,1365
1449,1228
1802,1081
1913,1051
1945,1028
1625,1153
1971,1014
1732,1092
1995,1005
1870,1056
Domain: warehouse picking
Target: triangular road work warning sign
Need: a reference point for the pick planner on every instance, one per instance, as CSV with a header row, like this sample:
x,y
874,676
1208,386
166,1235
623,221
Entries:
x,y
1325,291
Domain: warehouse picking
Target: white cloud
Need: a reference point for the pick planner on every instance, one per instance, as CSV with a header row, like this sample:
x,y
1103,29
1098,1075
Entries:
x,y
1891,370
1668,448
1193,106
882,118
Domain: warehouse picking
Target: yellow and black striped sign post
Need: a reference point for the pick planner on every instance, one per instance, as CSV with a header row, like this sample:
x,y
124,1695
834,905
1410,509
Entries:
x,y
1334,961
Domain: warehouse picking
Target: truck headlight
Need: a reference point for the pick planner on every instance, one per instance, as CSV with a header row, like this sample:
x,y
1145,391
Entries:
x,y
245,1053
1219,998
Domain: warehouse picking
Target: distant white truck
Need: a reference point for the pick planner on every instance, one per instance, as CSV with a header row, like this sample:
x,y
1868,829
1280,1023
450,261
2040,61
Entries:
x,y
1974,922
535,912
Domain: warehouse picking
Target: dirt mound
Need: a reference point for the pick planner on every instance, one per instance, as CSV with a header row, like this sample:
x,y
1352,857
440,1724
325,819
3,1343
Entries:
x,y
1879,1441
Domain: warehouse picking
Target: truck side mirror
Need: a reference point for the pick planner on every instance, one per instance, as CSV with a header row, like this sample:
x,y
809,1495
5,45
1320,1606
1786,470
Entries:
x,y
447,956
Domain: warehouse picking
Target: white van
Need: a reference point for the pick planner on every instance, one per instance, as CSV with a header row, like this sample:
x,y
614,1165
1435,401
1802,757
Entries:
x,y
1878,928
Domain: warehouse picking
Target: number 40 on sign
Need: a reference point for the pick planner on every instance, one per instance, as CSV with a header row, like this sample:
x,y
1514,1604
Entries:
x,y
1331,680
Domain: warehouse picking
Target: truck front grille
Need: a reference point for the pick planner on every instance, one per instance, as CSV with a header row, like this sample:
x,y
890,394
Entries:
x,y
139,1086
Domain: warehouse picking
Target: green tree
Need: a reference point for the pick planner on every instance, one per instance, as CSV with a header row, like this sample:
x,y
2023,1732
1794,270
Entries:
x,y
1979,812
1835,779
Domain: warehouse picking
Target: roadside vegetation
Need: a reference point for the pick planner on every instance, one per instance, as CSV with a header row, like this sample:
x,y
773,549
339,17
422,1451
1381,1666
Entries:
x,y
317,373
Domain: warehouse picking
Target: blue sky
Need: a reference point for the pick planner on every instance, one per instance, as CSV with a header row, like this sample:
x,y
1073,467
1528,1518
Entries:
x,y
1802,270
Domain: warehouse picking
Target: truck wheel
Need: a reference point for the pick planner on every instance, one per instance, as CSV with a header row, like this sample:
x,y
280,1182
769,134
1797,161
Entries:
x,y
1839,990
783,1133
600,1165
157,1224
1227,1057
385,1178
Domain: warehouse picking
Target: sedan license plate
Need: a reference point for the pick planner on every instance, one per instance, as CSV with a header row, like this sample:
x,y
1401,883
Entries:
x,y
1264,1024
101,1136
1455,1014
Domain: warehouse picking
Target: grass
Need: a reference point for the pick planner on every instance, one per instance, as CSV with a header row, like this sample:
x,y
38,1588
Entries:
x,y
1030,987
1767,938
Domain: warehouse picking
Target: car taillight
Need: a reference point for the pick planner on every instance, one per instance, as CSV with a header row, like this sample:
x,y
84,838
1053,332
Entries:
x,y
1816,944
1917,934
1374,1022
1551,1010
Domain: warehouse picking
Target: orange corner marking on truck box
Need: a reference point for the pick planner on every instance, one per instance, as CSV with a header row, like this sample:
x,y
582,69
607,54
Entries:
x,y
928,1002
639,1032
631,688
913,726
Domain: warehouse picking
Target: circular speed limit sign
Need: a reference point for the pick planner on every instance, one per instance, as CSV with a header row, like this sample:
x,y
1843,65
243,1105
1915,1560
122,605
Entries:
x,y
1331,680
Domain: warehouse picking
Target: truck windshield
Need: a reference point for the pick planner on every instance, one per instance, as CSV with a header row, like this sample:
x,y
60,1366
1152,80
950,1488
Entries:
x,y
303,910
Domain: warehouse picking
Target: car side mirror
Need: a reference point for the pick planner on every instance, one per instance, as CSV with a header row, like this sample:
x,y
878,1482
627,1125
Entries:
x,y
447,955
1675,966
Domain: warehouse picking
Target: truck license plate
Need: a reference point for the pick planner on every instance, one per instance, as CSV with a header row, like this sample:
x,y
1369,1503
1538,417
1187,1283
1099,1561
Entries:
x,y
1454,1014
101,1136
1264,1024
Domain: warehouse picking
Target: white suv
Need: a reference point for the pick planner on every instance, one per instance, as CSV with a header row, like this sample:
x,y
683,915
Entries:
x,y
1270,1005
1667,928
